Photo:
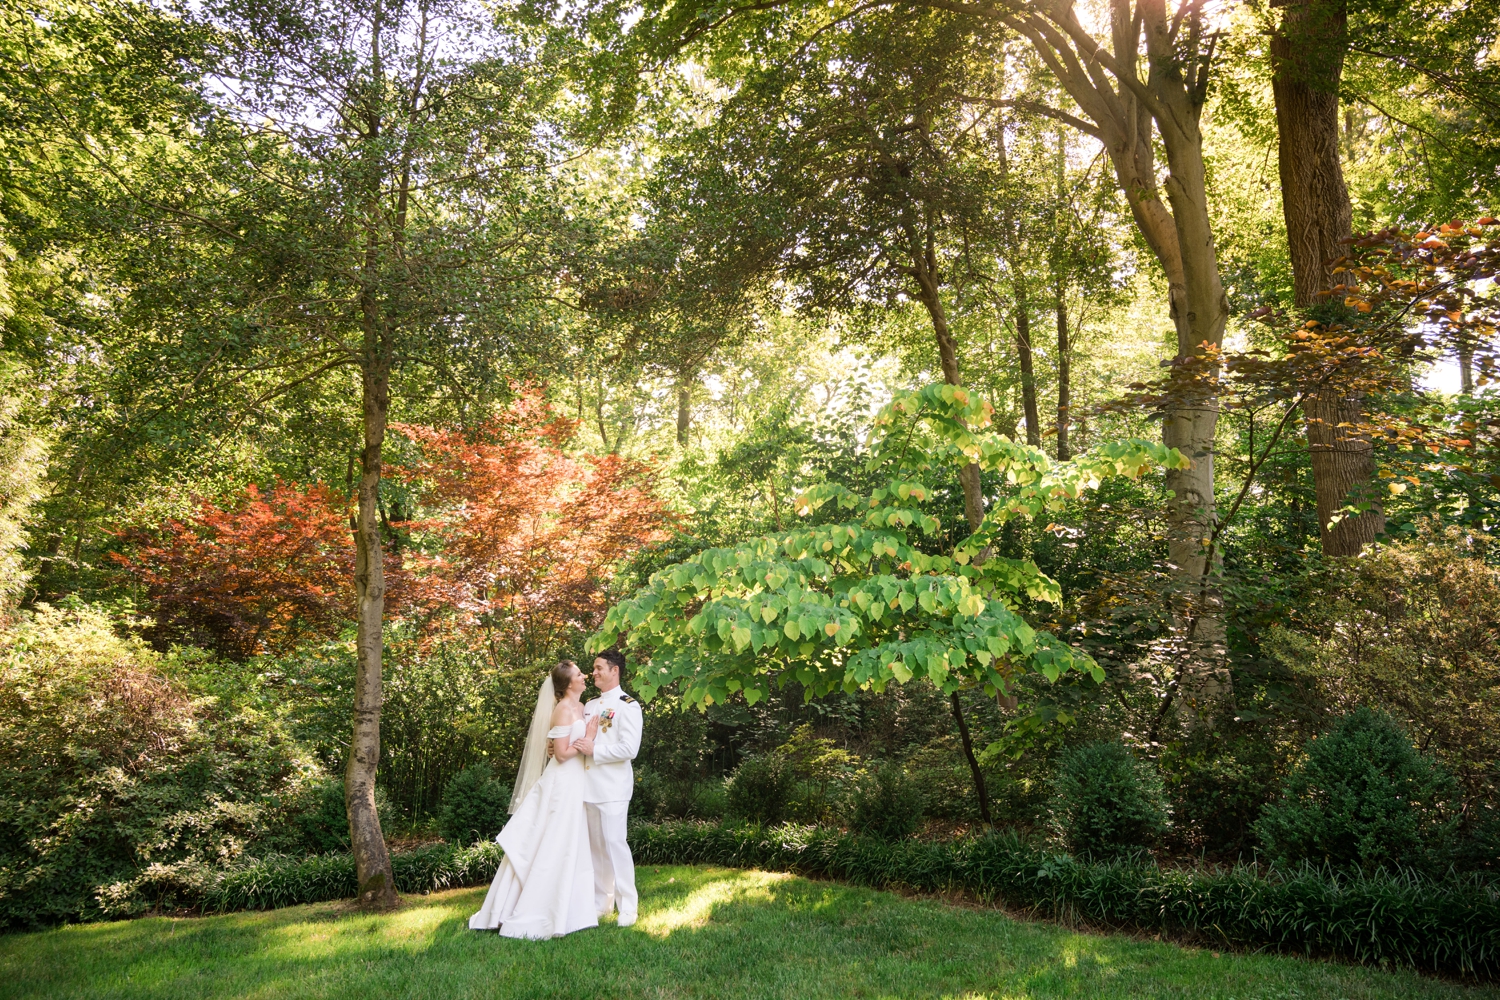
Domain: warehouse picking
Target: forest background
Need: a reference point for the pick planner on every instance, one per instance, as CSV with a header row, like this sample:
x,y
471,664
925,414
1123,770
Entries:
x,y
358,357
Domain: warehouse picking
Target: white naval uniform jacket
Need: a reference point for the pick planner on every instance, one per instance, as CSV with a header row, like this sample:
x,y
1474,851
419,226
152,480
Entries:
x,y
610,776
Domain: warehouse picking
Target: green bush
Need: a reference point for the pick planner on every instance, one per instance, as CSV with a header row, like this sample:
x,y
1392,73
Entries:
x,y
661,797
1447,925
1218,782
110,763
1105,802
474,806
1364,797
887,803
760,789
278,880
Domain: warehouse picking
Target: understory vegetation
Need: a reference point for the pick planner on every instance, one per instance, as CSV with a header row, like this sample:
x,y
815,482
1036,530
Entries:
x,y
1045,452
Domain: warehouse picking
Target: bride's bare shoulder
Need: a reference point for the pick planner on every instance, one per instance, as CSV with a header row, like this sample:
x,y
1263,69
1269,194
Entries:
x,y
565,714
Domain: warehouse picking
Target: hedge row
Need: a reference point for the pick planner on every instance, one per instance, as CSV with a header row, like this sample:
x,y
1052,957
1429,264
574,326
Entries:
x,y
276,881
1450,925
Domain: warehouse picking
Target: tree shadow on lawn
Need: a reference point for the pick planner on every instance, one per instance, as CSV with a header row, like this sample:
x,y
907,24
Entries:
x,y
703,932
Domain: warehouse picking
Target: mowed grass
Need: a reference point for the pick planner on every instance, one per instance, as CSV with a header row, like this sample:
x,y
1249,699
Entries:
x,y
704,932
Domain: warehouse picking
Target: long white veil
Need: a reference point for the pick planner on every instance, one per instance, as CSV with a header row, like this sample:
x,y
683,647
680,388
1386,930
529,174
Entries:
x,y
534,757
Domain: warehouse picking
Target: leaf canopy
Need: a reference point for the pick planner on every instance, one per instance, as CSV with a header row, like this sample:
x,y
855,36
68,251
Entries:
x,y
859,603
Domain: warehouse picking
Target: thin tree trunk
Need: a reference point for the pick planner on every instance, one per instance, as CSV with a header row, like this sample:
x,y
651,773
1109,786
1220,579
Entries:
x,y
979,787
372,860
1307,58
924,270
684,410
1064,376
1466,368
1028,367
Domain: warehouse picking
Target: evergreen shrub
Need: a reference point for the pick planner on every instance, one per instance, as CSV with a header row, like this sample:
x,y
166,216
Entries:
x,y
760,789
1363,798
474,807
887,803
1106,803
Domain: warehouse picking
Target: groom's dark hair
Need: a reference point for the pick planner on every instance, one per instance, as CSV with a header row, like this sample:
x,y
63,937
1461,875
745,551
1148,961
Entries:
x,y
617,657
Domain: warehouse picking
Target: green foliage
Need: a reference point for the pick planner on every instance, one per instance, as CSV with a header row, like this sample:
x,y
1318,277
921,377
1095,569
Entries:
x,y
855,605
1106,803
109,765
277,880
1217,783
760,789
474,806
887,803
1412,627
321,826
1364,798
1450,925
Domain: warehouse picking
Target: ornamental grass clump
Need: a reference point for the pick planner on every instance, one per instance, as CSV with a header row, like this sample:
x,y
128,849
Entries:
x,y
1364,798
1106,803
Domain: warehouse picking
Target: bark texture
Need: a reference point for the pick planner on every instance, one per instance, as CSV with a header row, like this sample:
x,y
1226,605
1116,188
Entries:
x,y
372,861
1028,368
684,411
1307,58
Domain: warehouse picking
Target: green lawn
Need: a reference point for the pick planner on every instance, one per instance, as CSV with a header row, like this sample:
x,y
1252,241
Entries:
x,y
703,932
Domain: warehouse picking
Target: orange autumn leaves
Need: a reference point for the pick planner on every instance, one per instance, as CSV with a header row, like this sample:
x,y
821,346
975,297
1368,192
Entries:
x,y
514,539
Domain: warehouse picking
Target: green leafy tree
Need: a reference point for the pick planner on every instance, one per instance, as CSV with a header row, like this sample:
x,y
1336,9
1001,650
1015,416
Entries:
x,y
888,595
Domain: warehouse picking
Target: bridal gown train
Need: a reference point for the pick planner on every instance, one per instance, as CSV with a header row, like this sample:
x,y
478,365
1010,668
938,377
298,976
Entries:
x,y
545,885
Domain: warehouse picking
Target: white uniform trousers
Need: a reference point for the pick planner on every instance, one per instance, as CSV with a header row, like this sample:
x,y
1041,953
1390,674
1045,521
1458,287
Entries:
x,y
614,869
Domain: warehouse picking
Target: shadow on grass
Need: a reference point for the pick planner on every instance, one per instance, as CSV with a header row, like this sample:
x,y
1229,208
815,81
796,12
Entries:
x,y
703,932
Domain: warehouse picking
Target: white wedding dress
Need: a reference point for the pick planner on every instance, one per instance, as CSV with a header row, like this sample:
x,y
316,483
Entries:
x,y
545,885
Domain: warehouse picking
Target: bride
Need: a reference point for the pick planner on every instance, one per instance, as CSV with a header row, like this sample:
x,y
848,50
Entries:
x,y
545,885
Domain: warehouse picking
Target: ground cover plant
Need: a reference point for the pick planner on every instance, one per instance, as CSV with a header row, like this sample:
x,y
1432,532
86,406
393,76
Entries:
x,y
704,932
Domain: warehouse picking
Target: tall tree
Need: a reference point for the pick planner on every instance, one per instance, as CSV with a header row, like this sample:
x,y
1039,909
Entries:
x,y
1139,83
1307,54
355,207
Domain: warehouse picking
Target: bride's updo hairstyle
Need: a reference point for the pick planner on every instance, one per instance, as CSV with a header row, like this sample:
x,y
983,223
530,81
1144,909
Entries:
x,y
562,676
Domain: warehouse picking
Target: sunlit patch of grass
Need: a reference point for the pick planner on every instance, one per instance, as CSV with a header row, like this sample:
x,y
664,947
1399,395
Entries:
x,y
700,904
704,934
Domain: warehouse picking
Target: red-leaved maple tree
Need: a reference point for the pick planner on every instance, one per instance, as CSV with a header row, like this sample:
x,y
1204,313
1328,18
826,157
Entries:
x,y
523,535
255,576
515,541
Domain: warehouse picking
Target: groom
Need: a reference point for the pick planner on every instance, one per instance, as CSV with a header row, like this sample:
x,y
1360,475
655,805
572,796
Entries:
x,y
610,781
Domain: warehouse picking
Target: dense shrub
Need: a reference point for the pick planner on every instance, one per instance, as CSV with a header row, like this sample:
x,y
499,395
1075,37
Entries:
x,y
887,803
320,824
110,763
1105,802
1363,797
474,806
660,797
760,789
1217,782
279,880
822,773
1447,925
1413,628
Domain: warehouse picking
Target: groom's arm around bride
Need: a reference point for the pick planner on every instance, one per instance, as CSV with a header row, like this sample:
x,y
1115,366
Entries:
x,y
611,780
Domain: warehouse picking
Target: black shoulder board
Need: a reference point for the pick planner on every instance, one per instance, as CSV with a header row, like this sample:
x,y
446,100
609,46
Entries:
x,y
627,699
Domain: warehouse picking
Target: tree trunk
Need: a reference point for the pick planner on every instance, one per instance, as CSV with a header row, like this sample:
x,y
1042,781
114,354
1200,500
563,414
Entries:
x,y
1466,368
1307,55
1064,376
684,410
1028,368
979,787
372,861
968,478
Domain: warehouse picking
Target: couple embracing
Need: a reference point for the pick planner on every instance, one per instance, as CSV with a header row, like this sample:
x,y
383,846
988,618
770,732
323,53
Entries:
x,y
566,860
